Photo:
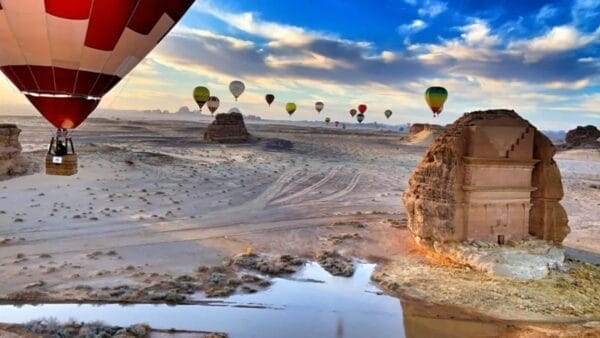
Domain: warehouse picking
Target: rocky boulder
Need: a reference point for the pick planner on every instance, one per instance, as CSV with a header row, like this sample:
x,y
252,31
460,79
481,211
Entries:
x,y
587,136
11,162
227,128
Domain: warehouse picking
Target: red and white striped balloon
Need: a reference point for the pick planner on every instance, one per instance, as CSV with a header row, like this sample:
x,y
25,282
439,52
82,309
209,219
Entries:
x,y
64,55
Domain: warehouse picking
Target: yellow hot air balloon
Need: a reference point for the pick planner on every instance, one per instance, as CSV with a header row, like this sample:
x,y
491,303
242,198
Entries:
x,y
436,97
201,95
290,107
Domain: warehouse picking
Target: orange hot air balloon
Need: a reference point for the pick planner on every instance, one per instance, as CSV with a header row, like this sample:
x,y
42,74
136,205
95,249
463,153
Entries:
x,y
362,108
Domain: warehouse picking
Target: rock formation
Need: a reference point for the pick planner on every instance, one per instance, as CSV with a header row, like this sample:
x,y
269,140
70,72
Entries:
x,y
490,176
227,128
11,162
419,127
583,137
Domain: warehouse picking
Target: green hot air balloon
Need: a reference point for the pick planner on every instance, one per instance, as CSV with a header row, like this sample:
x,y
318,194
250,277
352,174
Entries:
x,y
290,107
327,120
201,95
436,97
387,113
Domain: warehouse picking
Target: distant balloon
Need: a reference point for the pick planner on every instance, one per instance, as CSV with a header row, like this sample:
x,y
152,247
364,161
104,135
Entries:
x,y
201,95
213,104
353,112
319,106
387,113
290,107
436,97
337,123
269,98
327,120
362,108
234,110
360,117
237,88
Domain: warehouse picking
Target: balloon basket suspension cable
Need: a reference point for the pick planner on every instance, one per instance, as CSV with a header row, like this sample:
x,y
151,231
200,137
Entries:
x,y
61,159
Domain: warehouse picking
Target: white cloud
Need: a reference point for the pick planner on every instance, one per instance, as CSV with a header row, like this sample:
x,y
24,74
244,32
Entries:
x,y
545,13
305,59
585,11
569,85
198,33
558,39
432,8
413,27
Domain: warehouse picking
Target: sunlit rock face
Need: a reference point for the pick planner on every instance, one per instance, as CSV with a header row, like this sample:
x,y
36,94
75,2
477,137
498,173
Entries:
x,y
227,128
584,137
490,176
10,150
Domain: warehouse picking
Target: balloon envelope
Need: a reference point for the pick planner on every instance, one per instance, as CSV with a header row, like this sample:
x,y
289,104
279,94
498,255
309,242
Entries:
x,y
237,88
290,107
319,106
327,120
360,117
362,108
201,95
387,113
64,56
353,112
213,104
435,98
269,98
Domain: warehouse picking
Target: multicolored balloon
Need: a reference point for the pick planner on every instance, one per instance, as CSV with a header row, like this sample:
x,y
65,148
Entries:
x,y
201,95
327,120
237,88
64,56
360,117
362,108
269,98
319,106
213,104
387,113
353,112
435,98
290,107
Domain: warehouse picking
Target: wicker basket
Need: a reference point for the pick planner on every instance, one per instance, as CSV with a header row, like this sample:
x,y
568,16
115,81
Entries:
x,y
61,165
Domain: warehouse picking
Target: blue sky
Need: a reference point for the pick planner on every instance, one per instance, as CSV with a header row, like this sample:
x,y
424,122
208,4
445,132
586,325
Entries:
x,y
540,58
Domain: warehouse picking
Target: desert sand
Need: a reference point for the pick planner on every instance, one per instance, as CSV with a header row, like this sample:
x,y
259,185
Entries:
x,y
153,201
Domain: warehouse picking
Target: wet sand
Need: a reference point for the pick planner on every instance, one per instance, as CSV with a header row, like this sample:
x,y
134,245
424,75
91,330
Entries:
x,y
153,199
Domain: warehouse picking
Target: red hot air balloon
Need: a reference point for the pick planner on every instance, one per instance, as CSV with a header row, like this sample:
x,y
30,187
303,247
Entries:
x,y
362,108
65,55
269,98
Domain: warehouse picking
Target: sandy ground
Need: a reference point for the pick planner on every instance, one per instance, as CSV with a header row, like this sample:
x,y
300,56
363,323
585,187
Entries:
x,y
153,199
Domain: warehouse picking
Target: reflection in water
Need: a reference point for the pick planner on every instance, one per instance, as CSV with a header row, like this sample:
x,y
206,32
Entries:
x,y
338,307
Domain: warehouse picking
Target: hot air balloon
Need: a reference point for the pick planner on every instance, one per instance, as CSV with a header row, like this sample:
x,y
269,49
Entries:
x,y
290,107
213,104
327,120
237,88
269,98
353,112
362,108
436,97
64,56
337,123
387,113
360,117
319,106
234,110
201,96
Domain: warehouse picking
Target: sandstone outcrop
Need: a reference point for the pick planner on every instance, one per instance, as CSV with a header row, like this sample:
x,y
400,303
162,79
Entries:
x,y
489,176
587,136
419,127
11,162
227,128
